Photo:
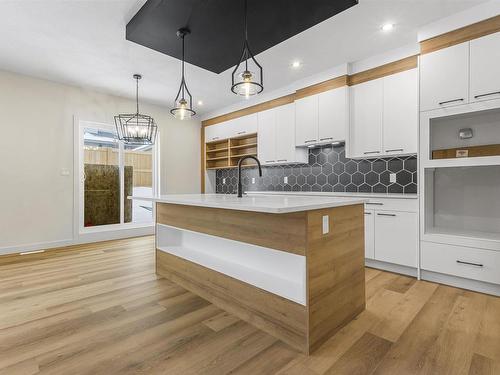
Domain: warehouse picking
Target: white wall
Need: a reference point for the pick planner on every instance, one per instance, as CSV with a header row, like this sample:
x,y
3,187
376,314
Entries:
x,y
36,130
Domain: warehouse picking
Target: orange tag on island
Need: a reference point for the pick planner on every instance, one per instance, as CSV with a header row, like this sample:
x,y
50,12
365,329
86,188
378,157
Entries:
x,y
462,153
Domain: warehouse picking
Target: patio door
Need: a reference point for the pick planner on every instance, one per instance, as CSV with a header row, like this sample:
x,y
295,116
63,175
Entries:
x,y
110,171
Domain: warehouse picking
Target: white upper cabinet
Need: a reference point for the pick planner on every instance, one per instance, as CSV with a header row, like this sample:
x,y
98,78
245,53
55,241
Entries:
x,y
306,120
365,138
400,113
333,114
266,140
244,125
444,77
218,132
276,140
485,68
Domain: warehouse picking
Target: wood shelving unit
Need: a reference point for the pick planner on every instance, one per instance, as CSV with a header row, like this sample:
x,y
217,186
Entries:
x,y
226,153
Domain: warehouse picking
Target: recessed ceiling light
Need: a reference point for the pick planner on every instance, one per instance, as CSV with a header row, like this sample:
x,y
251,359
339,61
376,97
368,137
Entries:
x,y
387,27
200,102
296,64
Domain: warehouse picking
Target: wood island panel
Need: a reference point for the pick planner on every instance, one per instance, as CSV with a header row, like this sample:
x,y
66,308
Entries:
x,y
335,268
257,228
281,318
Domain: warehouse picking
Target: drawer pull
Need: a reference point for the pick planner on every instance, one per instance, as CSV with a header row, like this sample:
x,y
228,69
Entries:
x,y
214,138
325,139
281,160
469,263
310,140
451,101
371,152
243,132
375,203
488,94
269,161
395,150
386,214
368,213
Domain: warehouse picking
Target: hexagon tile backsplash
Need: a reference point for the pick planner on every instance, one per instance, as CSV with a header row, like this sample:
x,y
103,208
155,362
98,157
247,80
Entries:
x,y
328,170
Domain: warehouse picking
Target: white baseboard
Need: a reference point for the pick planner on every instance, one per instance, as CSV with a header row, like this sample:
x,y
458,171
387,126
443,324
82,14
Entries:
x,y
34,246
459,282
82,238
396,268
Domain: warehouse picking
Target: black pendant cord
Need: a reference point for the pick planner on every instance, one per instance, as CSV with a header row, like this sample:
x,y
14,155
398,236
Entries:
x,y
137,94
183,82
246,35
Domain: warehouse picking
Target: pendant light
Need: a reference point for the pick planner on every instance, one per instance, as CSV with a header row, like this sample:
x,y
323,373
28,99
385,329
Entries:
x,y
136,128
245,82
183,109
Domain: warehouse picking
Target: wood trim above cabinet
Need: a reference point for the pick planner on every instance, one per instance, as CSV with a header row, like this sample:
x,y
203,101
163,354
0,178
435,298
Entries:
x,y
388,69
464,34
250,110
322,86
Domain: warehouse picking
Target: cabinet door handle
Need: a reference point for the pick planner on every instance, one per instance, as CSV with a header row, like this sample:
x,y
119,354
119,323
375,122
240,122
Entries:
x,y
310,140
488,94
281,160
469,263
395,150
325,139
371,152
375,203
451,101
392,215
368,213
243,132
269,161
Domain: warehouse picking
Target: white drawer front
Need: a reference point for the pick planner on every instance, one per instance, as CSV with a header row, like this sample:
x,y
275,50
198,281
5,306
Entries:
x,y
466,262
392,204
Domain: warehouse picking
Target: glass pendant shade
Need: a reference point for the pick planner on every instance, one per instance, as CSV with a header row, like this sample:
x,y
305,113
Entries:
x,y
136,128
246,81
183,104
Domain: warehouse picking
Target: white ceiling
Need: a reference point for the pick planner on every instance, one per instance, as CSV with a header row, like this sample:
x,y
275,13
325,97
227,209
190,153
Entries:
x,y
82,42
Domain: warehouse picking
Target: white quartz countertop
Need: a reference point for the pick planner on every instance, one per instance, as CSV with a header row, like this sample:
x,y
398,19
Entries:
x,y
275,204
334,194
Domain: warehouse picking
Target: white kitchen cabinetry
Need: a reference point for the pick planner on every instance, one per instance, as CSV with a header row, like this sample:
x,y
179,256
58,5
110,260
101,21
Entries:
x,y
444,77
244,125
384,116
266,141
276,140
218,132
400,113
306,121
333,114
366,119
485,68
322,118
370,234
396,237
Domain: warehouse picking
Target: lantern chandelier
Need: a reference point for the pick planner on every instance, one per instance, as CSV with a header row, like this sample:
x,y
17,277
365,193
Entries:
x,y
183,108
245,82
136,128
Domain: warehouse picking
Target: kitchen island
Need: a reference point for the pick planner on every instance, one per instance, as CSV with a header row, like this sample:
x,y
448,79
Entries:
x,y
291,266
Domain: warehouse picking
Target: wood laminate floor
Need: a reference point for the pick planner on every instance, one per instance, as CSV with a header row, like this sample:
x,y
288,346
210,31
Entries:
x,y
100,309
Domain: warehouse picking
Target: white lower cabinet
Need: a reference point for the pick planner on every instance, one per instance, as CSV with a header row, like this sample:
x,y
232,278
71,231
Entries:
x,y
466,262
396,237
370,234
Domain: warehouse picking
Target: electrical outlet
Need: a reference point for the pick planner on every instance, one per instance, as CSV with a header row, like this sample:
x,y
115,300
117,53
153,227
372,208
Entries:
x,y
224,181
64,172
253,180
285,180
392,177
326,224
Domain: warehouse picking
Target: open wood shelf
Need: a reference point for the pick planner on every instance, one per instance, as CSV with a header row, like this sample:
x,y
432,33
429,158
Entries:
x,y
225,153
